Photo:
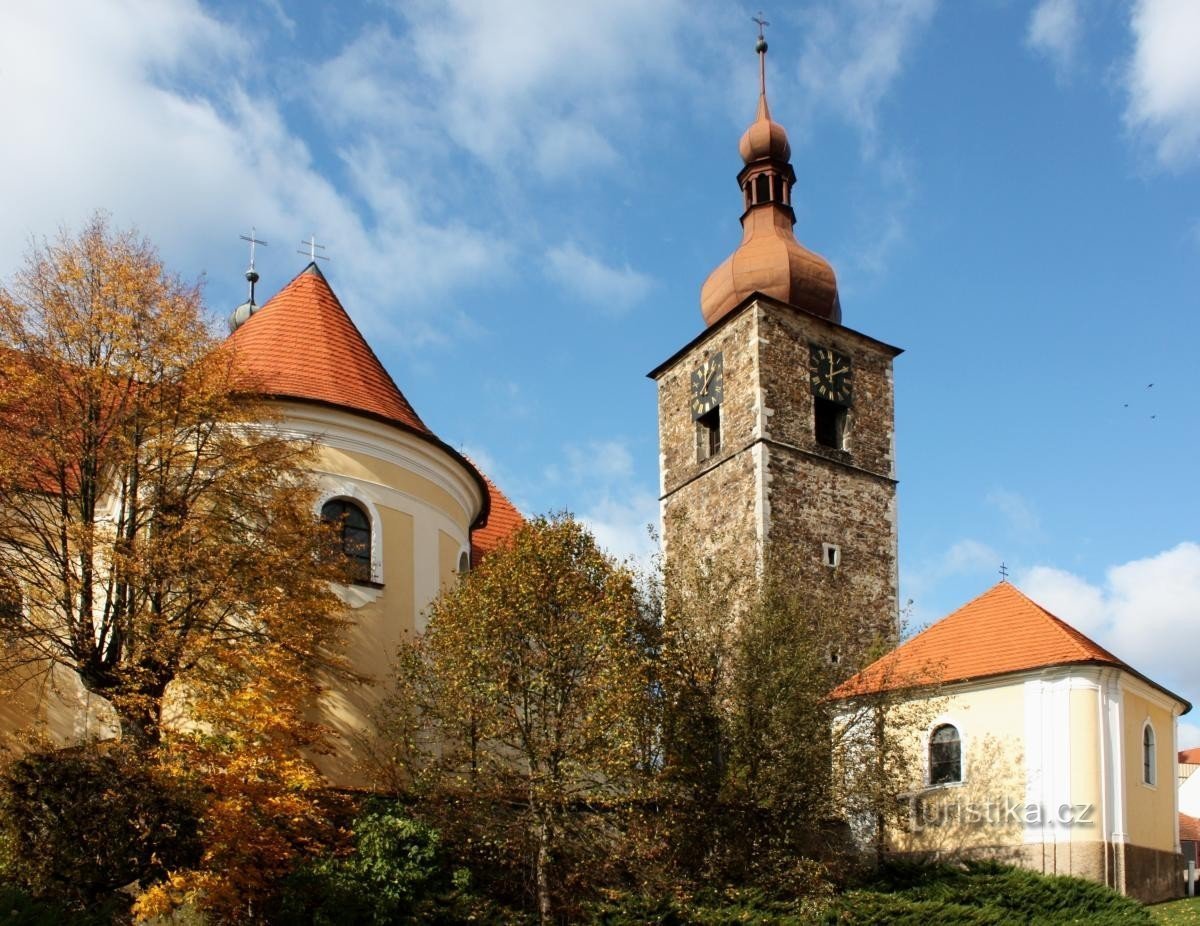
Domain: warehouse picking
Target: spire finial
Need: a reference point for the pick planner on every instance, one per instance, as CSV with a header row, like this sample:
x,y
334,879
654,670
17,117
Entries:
x,y
1003,572
761,47
251,273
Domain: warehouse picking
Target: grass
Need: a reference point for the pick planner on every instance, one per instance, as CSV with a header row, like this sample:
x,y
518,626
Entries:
x,y
1177,912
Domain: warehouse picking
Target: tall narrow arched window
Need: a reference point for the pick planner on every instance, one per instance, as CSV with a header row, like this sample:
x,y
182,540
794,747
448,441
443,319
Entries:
x,y
945,755
1149,766
356,534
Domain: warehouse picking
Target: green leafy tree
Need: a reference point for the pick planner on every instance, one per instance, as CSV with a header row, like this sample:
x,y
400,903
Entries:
x,y
532,681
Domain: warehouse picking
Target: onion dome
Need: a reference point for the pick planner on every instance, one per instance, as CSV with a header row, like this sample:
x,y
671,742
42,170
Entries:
x,y
243,312
769,260
765,138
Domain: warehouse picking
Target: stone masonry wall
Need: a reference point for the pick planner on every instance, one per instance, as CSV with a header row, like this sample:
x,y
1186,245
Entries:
x,y
719,497
772,484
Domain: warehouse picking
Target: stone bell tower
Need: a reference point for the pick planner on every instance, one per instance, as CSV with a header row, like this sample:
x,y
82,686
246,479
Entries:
x,y
776,427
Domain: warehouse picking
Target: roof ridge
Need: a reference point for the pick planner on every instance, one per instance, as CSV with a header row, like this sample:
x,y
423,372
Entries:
x,y
1073,635
1069,633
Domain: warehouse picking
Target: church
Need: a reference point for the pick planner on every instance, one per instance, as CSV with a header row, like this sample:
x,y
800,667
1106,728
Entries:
x,y
776,436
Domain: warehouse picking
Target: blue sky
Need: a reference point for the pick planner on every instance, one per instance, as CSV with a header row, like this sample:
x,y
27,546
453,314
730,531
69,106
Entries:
x,y
521,200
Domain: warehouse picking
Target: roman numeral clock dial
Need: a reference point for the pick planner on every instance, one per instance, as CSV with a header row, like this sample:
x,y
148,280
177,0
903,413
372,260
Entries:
x,y
830,374
708,386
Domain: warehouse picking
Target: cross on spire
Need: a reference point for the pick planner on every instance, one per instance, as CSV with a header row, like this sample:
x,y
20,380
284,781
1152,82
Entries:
x,y
253,241
312,246
761,48
1003,572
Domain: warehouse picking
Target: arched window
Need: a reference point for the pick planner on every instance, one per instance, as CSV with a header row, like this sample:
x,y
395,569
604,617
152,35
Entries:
x,y
356,534
1149,767
945,755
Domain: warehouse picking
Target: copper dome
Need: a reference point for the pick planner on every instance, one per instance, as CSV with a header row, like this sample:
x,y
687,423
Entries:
x,y
769,260
765,138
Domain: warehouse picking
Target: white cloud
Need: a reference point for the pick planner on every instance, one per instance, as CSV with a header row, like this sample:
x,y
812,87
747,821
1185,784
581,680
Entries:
x,y
853,52
1055,28
523,83
1163,78
1017,511
1147,611
613,289
140,108
605,494
621,525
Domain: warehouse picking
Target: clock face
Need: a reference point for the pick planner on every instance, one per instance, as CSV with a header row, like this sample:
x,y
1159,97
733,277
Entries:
x,y
830,374
708,385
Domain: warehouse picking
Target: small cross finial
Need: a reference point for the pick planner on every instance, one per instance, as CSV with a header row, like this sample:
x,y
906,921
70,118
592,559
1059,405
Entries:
x,y
762,23
253,239
312,246
1003,572
761,47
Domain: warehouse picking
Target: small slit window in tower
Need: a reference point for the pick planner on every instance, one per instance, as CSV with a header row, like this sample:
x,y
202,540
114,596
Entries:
x,y
708,434
762,188
831,555
746,190
829,423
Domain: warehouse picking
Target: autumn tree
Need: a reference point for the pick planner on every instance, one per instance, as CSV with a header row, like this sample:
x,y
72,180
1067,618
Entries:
x,y
152,519
532,679
754,776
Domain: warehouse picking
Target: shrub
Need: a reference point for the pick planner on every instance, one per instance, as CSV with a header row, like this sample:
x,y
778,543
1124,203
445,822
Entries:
x,y
80,824
982,892
396,873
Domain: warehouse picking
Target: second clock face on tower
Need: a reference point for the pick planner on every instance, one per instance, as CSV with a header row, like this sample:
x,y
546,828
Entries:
x,y
830,374
708,385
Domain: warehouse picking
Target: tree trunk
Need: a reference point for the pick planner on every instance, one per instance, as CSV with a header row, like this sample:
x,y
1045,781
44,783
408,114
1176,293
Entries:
x,y
542,869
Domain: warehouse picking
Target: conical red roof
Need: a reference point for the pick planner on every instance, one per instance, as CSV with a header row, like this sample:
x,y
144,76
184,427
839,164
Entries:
x,y
303,345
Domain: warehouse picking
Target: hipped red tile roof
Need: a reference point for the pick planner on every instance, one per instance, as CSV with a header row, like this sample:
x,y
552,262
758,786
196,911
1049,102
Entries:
x,y
503,520
302,345
1189,827
999,632
1190,756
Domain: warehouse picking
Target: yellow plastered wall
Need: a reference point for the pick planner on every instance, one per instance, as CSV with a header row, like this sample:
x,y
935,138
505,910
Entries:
x,y
990,723
1086,758
1149,809
448,552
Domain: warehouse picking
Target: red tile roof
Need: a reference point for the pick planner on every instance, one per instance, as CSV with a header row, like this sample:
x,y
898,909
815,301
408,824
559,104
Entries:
x,y
1189,827
302,345
503,520
999,632
1190,756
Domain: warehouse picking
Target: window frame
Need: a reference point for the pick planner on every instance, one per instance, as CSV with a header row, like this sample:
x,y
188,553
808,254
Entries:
x,y
1149,754
960,778
373,573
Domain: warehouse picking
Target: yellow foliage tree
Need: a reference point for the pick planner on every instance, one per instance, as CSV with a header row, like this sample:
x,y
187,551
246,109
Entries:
x,y
151,518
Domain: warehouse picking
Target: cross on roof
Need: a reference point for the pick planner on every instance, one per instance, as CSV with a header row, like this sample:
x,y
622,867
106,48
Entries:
x,y
312,246
253,241
1003,573
761,23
